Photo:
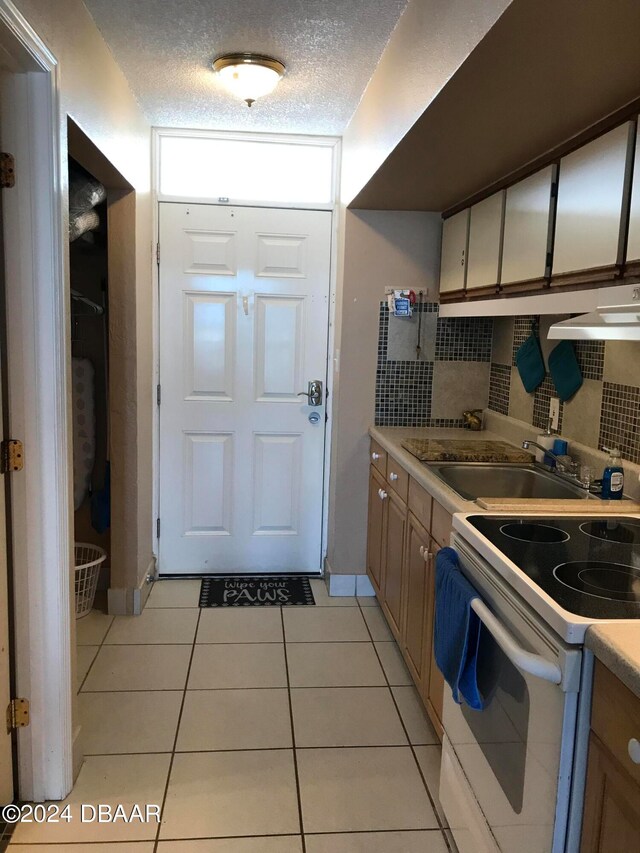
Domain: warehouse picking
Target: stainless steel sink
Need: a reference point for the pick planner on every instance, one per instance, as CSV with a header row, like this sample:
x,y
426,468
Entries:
x,y
472,480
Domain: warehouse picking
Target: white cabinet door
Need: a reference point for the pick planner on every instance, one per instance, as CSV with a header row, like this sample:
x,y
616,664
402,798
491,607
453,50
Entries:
x,y
485,236
591,185
455,232
633,241
527,228
244,301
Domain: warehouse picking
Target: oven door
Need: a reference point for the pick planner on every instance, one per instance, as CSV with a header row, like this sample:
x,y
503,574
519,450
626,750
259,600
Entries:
x,y
506,770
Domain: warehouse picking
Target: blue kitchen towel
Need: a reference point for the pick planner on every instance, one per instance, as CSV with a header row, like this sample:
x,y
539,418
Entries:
x,y
457,630
530,363
565,370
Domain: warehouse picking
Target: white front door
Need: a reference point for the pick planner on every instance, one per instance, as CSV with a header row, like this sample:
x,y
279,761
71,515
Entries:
x,y
244,306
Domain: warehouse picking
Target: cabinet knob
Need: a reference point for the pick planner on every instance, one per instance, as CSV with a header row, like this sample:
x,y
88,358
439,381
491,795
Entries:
x,y
375,456
382,494
424,553
634,750
393,477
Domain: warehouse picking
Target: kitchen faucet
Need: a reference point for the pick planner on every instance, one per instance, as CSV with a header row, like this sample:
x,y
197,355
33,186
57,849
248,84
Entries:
x,y
565,465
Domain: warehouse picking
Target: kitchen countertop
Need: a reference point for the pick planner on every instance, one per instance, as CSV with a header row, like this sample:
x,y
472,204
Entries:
x,y
391,438
617,645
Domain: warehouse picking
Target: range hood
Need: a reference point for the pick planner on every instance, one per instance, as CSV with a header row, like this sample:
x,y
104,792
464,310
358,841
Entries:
x,y
617,318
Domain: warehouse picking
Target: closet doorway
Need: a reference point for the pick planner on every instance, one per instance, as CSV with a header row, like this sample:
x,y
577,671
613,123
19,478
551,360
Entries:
x,y
89,290
103,341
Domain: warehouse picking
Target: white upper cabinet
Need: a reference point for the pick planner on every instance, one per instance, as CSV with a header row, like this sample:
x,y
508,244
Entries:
x,y
485,235
528,228
591,190
455,232
633,242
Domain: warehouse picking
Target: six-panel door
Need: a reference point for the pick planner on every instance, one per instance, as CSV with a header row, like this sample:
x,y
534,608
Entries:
x,y
244,297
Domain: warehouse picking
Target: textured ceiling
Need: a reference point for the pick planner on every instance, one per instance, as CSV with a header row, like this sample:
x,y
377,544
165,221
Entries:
x,y
330,49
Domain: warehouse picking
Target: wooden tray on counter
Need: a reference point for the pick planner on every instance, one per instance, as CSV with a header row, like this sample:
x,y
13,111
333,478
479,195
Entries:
x,y
465,450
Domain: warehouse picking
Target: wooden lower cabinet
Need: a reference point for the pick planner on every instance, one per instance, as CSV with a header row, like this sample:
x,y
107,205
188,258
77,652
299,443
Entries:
x,y
433,690
612,804
401,565
611,822
375,529
393,559
416,628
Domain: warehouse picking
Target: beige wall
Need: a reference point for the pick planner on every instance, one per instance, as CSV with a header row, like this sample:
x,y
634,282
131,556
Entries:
x,y
379,249
431,40
96,95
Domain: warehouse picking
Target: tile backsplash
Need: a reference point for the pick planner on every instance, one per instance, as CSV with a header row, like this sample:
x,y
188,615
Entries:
x,y
448,375
469,363
605,411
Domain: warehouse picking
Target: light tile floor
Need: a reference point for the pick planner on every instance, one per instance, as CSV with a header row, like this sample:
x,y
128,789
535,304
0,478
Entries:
x,y
259,730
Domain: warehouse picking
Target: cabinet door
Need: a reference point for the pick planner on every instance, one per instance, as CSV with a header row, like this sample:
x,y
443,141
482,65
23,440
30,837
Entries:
x,y
528,230
394,559
591,186
633,240
612,804
375,528
415,630
434,693
453,259
485,238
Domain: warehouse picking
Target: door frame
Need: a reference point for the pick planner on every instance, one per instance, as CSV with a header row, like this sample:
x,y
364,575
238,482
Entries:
x,y
333,142
38,382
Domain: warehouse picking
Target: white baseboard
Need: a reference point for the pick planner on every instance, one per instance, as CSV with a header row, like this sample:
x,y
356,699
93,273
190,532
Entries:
x,y
347,584
129,601
364,587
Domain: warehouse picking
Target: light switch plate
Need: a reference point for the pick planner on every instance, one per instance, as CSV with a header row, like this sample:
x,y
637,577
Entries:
x,y
554,412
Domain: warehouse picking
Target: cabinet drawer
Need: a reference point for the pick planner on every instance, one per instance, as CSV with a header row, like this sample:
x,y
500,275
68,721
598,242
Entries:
x,y
378,457
397,478
615,717
441,522
420,503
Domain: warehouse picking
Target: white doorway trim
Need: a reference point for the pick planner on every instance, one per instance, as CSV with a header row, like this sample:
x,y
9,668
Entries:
x,y
156,197
37,353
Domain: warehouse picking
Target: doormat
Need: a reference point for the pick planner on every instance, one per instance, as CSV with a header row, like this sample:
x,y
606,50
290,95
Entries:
x,y
256,591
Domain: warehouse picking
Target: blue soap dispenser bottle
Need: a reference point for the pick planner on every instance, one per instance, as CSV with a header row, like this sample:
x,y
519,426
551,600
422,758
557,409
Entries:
x,y
613,477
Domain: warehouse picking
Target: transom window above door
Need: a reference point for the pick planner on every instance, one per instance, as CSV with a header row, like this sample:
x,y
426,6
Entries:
x,y
295,171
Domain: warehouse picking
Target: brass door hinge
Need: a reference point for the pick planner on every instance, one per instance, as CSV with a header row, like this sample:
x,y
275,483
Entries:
x,y
17,714
7,171
11,456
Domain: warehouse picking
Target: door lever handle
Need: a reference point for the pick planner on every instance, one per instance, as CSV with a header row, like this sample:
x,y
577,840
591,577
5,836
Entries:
x,y
314,394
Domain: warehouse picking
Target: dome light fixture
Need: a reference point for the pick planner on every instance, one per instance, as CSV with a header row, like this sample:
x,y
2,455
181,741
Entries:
x,y
249,75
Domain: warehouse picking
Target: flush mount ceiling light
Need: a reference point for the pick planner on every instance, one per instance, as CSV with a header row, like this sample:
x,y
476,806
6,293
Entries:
x,y
249,75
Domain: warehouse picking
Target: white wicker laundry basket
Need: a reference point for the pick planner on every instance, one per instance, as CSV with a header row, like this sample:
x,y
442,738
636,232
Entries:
x,y
88,559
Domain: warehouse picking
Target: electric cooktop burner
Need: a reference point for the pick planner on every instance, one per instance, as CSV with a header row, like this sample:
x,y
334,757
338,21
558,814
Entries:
x,y
605,580
590,567
542,533
627,532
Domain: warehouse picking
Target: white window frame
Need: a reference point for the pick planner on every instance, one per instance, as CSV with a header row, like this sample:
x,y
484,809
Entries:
x,y
332,142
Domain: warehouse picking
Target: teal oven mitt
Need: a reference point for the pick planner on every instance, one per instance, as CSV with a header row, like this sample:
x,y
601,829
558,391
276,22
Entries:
x,y
530,363
565,370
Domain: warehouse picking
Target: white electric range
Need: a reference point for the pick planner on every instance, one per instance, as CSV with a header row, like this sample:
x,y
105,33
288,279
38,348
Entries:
x,y
512,776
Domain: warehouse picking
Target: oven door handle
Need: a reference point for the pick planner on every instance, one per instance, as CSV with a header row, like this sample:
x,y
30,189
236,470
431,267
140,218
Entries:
x,y
535,665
